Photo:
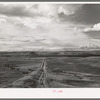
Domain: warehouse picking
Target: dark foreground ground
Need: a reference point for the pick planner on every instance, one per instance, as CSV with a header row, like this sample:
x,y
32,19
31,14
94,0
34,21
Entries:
x,y
22,70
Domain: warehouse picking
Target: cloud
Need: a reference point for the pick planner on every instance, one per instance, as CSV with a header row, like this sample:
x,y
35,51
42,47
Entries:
x,y
91,44
78,13
28,10
95,27
69,9
14,10
39,26
31,10
85,14
2,20
36,22
93,31
45,35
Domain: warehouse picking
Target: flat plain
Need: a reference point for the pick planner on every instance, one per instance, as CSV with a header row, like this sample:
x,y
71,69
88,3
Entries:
x,y
27,70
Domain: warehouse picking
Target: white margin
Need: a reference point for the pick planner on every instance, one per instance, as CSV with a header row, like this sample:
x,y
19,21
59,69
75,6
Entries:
x,y
49,92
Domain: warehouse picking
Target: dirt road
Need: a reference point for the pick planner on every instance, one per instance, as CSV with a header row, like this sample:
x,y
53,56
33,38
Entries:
x,y
43,75
35,79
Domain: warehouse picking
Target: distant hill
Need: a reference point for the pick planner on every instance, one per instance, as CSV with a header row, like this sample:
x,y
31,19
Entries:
x,y
76,53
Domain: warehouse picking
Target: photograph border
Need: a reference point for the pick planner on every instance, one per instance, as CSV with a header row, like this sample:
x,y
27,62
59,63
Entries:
x,y
53,96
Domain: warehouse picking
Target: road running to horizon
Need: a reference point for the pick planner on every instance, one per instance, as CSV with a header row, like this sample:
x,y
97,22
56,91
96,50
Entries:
x,y
43,75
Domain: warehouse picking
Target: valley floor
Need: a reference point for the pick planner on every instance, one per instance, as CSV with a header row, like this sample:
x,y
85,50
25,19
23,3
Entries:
x,y
49,72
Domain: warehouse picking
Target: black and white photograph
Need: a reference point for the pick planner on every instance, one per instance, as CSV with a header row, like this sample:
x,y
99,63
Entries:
x,y
49,45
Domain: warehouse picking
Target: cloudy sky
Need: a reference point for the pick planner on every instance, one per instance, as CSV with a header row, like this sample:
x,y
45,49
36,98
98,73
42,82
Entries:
x,y
30,26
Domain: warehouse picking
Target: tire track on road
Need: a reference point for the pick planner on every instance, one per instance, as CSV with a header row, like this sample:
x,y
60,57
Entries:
x,y
43,75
